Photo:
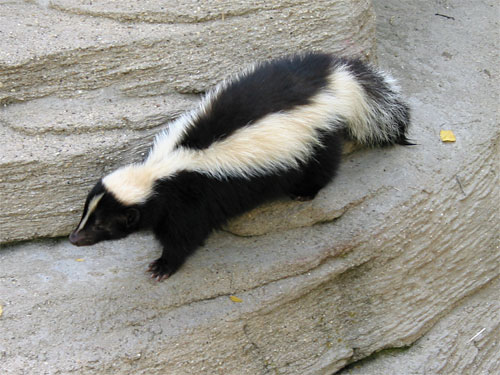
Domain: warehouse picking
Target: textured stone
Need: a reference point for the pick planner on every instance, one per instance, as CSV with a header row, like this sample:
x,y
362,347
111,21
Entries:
x,y
85,85
465,341
331,203
416,262
67,52
314,299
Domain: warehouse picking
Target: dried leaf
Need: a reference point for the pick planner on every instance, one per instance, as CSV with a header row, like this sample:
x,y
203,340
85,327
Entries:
x,y
447,136
1,310
235,299
80,260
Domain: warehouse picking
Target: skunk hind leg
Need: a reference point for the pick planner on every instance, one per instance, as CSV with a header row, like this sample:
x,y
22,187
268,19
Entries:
x,y
305,191
320,170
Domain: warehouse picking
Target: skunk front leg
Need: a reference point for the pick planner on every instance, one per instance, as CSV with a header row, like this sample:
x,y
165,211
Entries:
x,y
179,242
165,265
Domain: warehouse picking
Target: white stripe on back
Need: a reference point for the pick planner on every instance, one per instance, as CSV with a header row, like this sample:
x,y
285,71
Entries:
x,y
278,141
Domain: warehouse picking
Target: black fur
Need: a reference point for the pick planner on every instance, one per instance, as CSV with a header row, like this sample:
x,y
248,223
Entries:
x,y
274,86
384,96
184,210
186,207
111,221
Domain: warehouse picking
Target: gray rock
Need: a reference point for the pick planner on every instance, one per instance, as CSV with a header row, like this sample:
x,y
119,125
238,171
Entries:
x,y
415,261
330,203
86,85
465,341
314,299
64,48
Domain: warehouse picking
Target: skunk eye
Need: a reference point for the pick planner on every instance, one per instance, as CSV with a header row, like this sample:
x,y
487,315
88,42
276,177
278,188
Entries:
x,y
99,227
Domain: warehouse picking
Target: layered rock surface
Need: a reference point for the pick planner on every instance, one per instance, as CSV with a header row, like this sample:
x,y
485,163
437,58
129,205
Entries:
x,y
404,250
465,341
85,85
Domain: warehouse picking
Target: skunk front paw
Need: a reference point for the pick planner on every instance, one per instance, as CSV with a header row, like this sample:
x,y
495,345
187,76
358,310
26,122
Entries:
x,y
160,269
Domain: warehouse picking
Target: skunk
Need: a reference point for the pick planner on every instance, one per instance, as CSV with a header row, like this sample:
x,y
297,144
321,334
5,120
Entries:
x,y
273,130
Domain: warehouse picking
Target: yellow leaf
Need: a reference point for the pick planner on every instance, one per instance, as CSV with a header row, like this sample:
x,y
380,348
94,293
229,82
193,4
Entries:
x,y
1,310
447,136
235,299
80,260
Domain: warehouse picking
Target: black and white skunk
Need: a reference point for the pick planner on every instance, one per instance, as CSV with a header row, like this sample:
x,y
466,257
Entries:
x,y
276,129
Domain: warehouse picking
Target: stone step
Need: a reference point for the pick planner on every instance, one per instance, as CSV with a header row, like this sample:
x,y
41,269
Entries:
x,y
475,322
84,86
418,250
54,149
313,299
66,47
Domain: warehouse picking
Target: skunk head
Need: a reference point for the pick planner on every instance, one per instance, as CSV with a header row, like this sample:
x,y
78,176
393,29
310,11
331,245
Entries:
x,y
104,218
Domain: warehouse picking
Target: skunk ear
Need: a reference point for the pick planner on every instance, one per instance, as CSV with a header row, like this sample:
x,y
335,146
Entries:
x,y
132,216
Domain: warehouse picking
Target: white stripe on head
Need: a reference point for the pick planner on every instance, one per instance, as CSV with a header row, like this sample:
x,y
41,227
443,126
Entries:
x,y
91,208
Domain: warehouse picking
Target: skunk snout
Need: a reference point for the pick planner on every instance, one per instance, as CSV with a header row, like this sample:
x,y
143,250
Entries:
x,y
73,238
79,239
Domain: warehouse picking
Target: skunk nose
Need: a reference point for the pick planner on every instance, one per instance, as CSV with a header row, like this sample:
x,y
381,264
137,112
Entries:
x,y
74,238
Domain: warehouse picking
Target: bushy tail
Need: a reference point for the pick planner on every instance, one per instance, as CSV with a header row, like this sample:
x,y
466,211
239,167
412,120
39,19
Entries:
x,y
385,116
